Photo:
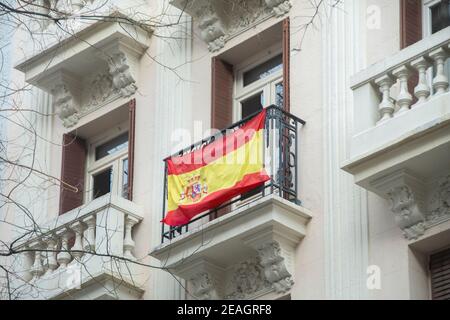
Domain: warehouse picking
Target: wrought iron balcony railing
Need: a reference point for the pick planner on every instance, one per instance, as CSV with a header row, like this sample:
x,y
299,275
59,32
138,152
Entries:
x,y
280,162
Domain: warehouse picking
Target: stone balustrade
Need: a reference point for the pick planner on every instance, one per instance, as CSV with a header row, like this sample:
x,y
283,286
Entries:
x,y
101,229
402,82
401,141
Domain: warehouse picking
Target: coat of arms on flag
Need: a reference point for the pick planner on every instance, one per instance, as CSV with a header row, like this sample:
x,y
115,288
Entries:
x,y
208,177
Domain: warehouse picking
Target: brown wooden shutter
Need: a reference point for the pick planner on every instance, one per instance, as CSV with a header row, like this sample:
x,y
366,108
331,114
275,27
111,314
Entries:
x,y
440,275
222,94
222,84
72,173
411,32
131,141
286,64
411,22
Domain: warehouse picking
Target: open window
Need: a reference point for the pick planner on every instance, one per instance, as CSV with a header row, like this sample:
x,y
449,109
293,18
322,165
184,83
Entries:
x,y
436,15
107,170
97,159
259,84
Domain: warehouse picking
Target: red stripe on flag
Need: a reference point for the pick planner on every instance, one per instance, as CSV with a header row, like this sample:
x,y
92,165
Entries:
x,y
217,149
184,214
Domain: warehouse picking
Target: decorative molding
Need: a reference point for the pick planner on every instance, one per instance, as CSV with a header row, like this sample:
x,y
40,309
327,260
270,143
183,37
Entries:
x,y
406,194
274,253
210,25
100,89
406,210
245,14
204,279
119,69
220,20
274,267
440,202
66,90
279,7
204,286
71,101
247,280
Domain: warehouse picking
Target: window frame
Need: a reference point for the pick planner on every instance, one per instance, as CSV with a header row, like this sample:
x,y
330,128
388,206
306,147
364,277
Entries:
x,y
114,161
426,16
266,85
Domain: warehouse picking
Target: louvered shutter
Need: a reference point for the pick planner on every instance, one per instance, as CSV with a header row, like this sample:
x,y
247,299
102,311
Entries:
x,y
72,173
440,275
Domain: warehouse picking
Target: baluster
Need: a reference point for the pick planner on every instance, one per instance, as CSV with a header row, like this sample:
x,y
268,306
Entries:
x,y
52,246
37,269
422,90
44,256
386,107
27,259
89,234
404,99
128,243
440,81
77,249
64,256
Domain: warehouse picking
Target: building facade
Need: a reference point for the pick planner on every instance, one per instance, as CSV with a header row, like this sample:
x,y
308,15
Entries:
x,y
358,150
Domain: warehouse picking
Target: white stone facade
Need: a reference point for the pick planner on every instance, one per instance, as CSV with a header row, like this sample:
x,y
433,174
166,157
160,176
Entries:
x,y
373,179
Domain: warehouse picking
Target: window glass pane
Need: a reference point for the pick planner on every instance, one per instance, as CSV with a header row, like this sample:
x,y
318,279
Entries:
x,y
279,99
252,105
113,146
125,179
263,70
102,183
440,16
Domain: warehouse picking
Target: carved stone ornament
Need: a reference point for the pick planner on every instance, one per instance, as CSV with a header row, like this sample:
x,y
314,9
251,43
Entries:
x,y
120,72
407,214
275,270
100,90
412,215
204,286
247,279
71,101
220,20
440,203
279,7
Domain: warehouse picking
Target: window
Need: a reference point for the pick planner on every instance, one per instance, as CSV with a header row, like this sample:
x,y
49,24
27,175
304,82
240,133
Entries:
x,y
107,171
437,15
259,83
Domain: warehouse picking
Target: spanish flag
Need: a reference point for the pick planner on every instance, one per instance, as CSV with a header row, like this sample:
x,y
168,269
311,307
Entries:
x,y
208,177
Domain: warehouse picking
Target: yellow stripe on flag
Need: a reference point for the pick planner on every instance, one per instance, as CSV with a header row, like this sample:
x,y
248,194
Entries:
x,y
223,173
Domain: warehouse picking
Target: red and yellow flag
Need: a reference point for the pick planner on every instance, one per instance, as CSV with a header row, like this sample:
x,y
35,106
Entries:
x,y
206,178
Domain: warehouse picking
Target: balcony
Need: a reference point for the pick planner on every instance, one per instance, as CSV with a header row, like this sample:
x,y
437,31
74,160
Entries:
x,y
90,67
245,249
400,149
86,253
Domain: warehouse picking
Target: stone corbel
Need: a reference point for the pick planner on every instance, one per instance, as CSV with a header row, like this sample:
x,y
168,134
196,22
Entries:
x,y
212,30
279,7
65,89
406,194
210,23
204,279
275,252
121,58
